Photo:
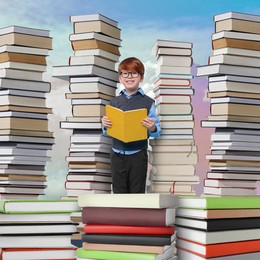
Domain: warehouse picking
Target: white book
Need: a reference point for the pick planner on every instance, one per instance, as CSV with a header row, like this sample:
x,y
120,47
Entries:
x,y
88,101
230,191
215,237
91,59
66,71
180,131
174,51
169,43
173,91
98,52
86,177
39,86
86,159
234,60
77,193
230,124
244,79
22,183
232,157
235,100
102,80
180,125
218,69
149,200
55,241
79,125
175,170
173,76
22,93
230,183
181,70
23,66
235,35
96,36
236,51
24,30
87,185
27,139
21,74
176,118
174,61
24,50
23,115
93,17
233,176
47,253
190,256
90,171
236,15
19,151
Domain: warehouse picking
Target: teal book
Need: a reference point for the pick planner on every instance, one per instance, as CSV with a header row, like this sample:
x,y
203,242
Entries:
x,y
38,206
113,255
219,202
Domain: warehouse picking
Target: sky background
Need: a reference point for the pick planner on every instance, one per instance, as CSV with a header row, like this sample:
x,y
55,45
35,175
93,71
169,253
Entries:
x,y
142,22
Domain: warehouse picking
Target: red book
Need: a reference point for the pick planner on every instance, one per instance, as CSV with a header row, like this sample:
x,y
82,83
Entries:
x,y
114,229
218,250
38,253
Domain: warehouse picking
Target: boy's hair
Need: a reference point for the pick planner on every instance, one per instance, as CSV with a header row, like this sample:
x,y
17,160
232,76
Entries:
x,y
131,64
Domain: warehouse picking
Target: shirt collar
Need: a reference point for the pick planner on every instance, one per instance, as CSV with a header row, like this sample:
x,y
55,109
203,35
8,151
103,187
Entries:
x,y
123,91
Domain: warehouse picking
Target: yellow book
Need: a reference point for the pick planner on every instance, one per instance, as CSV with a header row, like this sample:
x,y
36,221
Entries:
x,y
126,125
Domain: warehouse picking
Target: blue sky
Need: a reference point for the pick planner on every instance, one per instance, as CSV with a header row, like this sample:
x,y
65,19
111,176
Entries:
x,y
142,23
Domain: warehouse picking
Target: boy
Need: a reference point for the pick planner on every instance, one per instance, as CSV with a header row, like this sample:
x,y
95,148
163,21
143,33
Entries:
x,y
129,160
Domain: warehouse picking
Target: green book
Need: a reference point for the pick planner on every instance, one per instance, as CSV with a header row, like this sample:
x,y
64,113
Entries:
x,y
219,202
113,255
38,206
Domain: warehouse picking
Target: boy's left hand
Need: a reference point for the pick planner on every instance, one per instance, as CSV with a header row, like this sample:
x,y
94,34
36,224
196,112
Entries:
x,y
149,123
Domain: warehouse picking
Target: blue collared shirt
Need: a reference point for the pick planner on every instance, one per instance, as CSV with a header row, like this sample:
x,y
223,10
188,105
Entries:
x,y
151,114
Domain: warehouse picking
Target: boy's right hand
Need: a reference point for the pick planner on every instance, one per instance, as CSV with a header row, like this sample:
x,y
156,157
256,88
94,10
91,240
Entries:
x,y
106,122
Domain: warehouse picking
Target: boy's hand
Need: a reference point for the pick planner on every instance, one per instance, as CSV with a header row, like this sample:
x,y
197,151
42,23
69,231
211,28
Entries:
x,y
106,121
149,123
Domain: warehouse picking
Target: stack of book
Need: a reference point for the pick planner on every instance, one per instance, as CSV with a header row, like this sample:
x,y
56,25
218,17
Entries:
x,y
173,155
37,229
234,77
92,83
218,228
128,226
24,135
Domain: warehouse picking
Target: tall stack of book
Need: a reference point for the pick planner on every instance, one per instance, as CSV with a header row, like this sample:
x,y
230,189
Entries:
x,y
173,155
128,226
93,81
37,229
234,78
218,228
24,135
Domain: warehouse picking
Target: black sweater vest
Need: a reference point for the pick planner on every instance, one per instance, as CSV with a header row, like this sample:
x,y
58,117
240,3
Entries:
x,y
136,102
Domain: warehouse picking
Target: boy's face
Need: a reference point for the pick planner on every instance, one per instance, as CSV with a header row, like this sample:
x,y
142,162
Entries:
x,y
130,80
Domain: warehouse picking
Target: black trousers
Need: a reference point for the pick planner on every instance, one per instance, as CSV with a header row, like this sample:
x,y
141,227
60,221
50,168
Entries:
x,y
129,172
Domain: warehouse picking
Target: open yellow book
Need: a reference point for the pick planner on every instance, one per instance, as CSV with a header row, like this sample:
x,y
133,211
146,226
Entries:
x,y
126,125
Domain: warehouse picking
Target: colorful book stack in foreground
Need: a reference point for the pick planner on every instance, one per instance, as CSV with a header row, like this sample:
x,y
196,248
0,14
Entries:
x,y
173,155
93,81
234,78
128,226
37,229
24,135
218,228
